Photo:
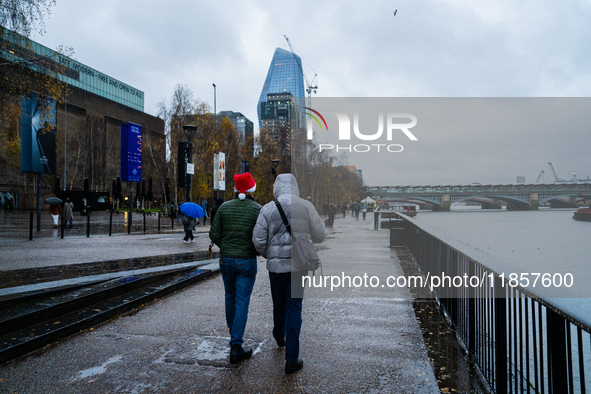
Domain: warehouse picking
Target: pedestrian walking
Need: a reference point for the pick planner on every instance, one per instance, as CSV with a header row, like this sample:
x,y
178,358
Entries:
x,y
273,241
231,230
55,213
189,226
69,211
356,209
364,210
332,211
344,209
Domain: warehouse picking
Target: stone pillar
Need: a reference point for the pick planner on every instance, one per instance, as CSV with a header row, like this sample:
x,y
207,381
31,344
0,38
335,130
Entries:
x,y
533,201
445,203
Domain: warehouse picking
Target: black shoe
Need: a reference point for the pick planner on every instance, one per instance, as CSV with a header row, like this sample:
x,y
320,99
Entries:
x,y
238,353
292,366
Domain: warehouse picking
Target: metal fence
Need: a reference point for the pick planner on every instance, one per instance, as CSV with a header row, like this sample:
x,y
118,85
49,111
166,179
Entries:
x,y
520,342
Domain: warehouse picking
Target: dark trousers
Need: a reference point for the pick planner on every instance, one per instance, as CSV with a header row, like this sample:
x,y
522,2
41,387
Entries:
x,y
189,234
287,314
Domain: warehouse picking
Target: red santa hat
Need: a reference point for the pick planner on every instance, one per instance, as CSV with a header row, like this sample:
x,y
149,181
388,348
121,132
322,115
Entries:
x,y
244,184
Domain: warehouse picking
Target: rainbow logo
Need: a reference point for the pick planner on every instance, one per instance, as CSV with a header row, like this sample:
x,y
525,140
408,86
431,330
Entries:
x,y
316,119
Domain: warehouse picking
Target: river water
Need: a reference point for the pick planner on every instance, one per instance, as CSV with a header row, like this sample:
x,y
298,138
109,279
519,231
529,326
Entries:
x,y
544,241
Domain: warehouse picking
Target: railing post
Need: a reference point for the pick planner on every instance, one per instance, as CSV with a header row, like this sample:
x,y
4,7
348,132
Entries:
x,y
557,368
144,222
110,223
88,224
472,318
500,337
158,222
31,227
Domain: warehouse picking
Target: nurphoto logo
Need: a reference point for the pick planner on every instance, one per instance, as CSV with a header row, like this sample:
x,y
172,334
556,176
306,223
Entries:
x,y
392,120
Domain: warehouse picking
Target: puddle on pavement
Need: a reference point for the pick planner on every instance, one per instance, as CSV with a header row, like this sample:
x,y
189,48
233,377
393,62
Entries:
x,y
97,370
210,351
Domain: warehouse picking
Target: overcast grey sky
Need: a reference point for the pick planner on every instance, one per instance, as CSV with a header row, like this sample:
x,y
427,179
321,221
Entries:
x,y
436,48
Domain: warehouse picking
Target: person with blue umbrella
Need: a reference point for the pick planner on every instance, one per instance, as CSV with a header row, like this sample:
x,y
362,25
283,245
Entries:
x,y
191,212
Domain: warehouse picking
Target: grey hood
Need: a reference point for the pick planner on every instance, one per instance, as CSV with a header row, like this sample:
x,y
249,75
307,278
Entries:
x,y
286,184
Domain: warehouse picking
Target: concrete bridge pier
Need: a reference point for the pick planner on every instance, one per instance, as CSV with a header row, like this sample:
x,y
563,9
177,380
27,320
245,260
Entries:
x,y
445,203
533,202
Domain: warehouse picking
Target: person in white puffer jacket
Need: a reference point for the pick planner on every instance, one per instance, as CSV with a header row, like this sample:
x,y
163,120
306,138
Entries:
x,y
272,241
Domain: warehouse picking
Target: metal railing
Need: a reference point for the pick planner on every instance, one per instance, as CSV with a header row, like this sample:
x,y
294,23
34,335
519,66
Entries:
x,y
521,343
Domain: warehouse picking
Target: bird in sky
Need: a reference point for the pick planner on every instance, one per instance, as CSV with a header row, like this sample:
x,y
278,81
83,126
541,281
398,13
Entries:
x,y
395,12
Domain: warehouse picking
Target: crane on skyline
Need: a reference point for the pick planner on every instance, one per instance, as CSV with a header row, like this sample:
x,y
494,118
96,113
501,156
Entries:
x,y
310,86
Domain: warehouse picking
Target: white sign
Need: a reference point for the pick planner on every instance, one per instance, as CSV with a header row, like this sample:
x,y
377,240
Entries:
x,y
190,168
222,170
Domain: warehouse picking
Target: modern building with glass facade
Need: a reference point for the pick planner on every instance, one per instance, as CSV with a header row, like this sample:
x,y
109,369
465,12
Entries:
x,y
243,125
16,48
284,76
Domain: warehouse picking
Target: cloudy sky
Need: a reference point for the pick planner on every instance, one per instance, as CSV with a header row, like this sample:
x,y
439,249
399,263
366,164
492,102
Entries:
x,y
432,48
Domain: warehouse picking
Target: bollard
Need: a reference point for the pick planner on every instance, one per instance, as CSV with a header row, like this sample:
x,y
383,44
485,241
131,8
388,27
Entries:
x,y
158,222
172,220
110,223
88,225
31,227
63,224
144,222
128,226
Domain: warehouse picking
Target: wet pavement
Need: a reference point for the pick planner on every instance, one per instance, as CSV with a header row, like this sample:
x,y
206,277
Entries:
x,y
180,343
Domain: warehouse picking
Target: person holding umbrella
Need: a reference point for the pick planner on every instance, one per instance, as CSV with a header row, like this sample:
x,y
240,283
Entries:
x,y
191,212
55,208
231,230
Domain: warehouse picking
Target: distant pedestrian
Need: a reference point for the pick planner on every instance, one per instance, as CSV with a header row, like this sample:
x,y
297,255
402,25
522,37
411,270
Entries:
x,y
332,211
344,209
218,204
231,230
55,213
364,210
189,226
356,209
69,211
273,241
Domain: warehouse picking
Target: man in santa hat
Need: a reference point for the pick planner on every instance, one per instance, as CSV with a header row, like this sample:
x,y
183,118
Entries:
x,y
231,230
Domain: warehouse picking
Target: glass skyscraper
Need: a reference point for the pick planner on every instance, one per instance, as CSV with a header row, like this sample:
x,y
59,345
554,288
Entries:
x,y
284,76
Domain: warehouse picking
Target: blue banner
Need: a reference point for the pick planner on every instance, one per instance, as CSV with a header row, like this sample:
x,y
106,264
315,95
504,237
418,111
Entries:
x,y
131,152
37,135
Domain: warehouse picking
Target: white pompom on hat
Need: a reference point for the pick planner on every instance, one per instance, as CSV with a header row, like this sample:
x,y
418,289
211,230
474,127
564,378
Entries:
x,y
244,184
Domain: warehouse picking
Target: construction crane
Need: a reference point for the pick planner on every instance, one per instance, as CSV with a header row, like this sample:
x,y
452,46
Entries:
x,y
554,172
540,176
310,87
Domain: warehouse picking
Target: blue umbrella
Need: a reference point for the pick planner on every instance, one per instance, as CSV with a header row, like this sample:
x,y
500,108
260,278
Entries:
x,y
191,209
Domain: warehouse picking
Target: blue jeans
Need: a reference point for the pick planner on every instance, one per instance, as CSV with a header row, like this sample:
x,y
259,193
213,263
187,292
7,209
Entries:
x,y
239,275
287,314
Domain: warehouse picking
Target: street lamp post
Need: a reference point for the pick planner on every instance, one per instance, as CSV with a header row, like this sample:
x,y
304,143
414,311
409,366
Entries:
x,y
189,131
214,104
310,185
274,169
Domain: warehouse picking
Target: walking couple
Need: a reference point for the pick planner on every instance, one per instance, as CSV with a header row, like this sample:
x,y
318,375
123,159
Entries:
x,y
243,229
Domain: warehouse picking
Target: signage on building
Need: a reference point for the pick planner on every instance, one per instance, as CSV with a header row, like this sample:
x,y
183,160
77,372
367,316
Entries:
x,y
37,135
131,152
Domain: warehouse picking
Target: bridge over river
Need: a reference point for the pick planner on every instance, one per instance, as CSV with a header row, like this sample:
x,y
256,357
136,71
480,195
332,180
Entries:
x,y
518,196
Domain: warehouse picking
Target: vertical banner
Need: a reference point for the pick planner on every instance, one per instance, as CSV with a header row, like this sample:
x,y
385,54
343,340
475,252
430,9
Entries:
x,y
38,124
216,172
222,169
131,152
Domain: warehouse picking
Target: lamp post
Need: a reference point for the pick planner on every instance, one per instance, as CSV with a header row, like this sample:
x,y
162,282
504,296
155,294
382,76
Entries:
x,y
274,169
310,185
214,104
189,131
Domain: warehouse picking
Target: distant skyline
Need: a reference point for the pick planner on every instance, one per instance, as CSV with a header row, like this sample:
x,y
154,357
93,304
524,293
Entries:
x,y
437,48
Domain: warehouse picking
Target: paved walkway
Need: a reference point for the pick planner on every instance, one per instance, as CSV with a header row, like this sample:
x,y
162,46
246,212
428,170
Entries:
x,y
362,343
